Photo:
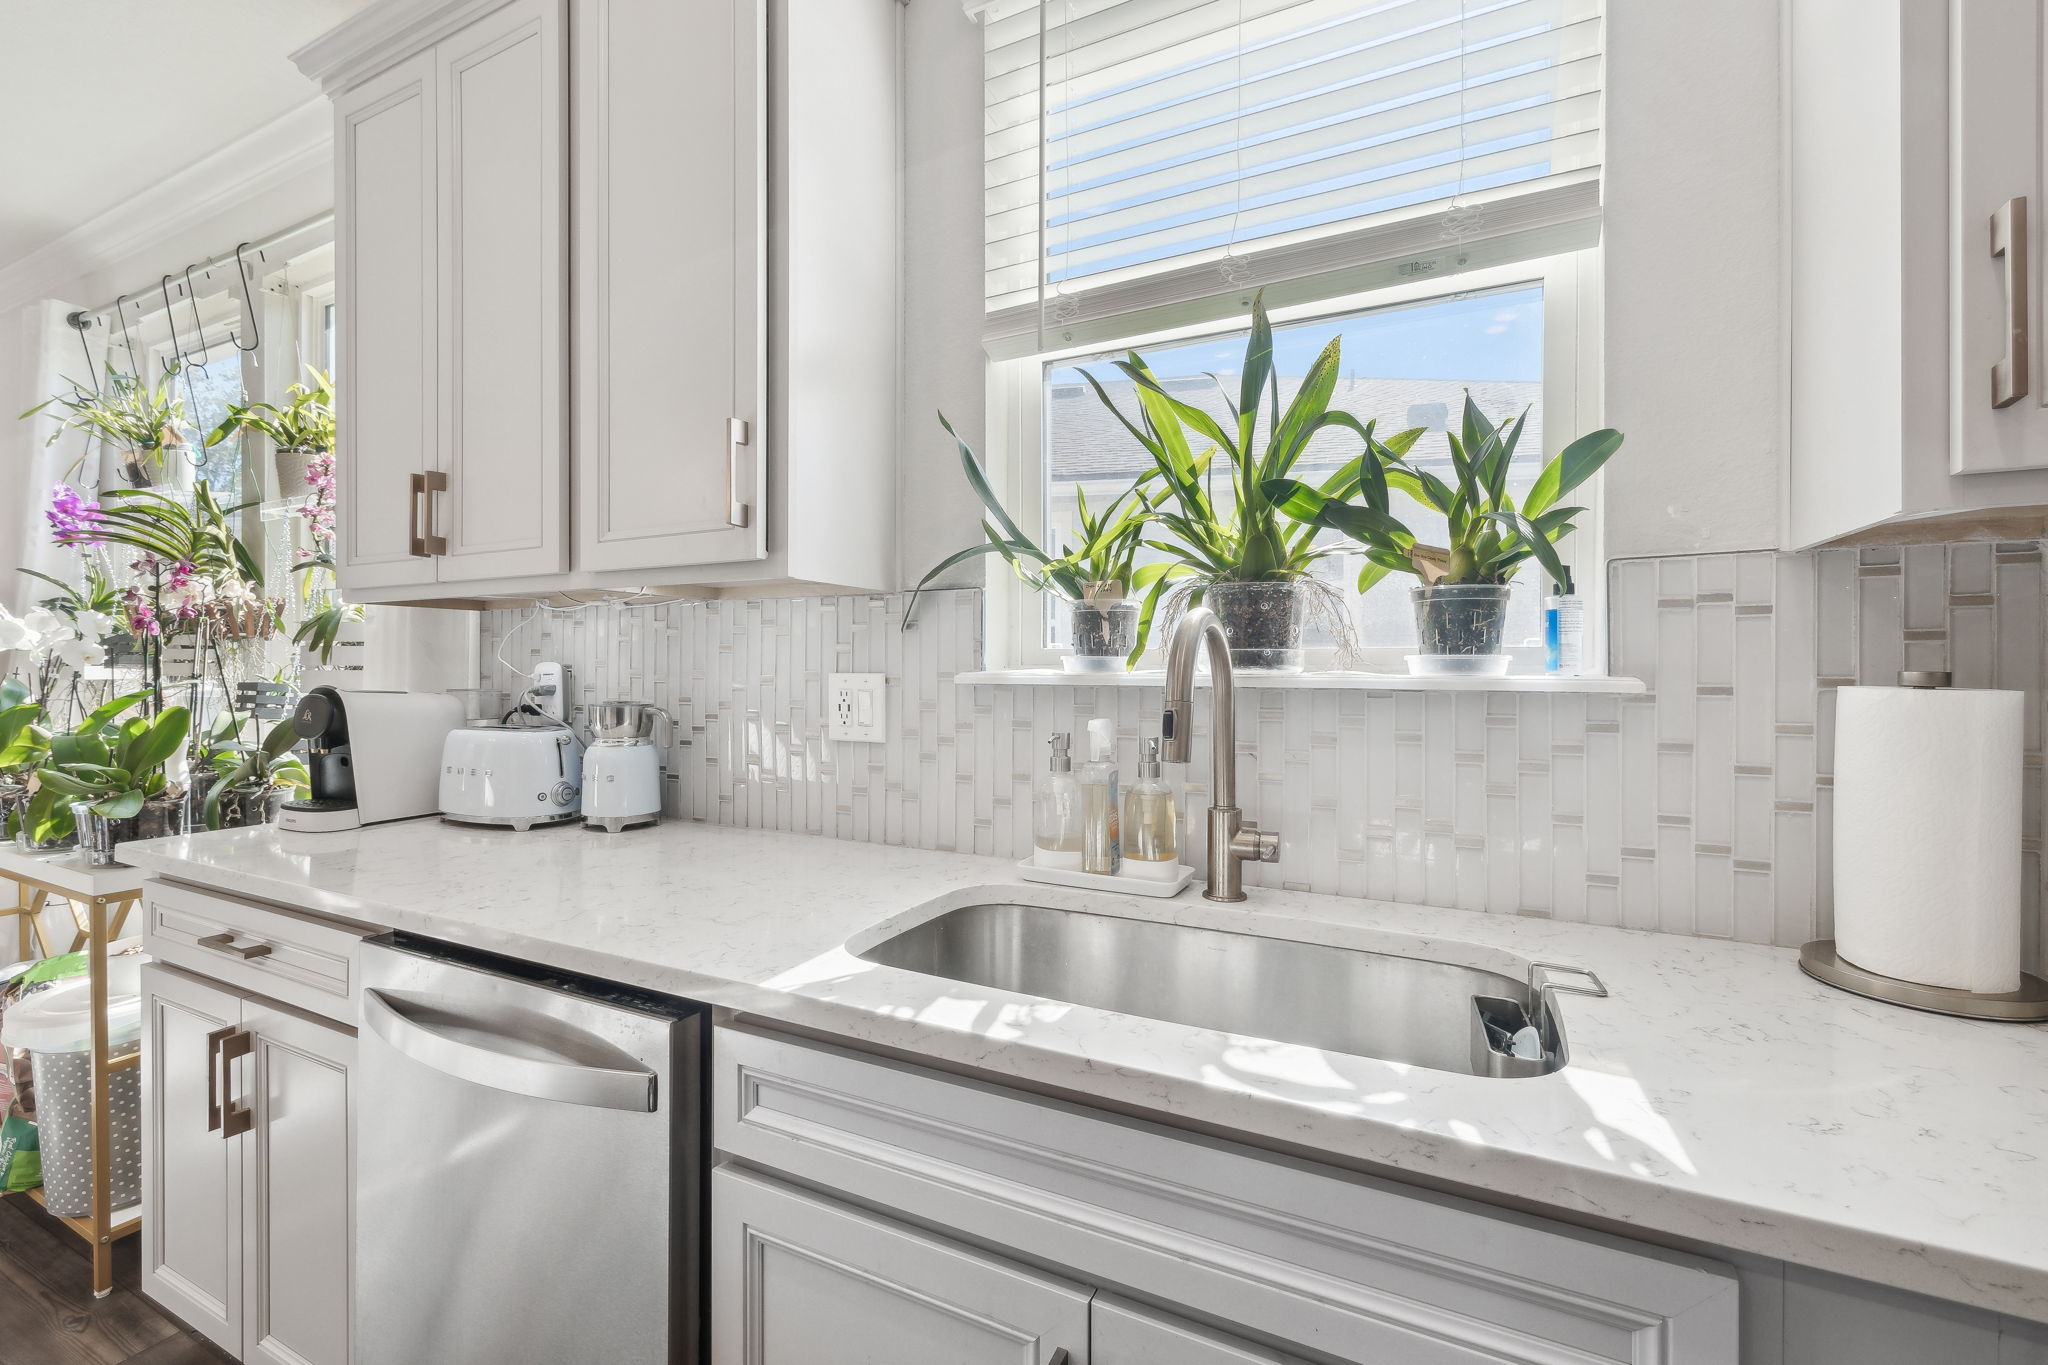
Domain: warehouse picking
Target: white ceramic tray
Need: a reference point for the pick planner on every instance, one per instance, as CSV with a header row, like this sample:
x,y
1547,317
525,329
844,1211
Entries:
x,y
1095,881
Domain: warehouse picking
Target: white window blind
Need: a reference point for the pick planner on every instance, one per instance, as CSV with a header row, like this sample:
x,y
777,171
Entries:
x,y
1150,163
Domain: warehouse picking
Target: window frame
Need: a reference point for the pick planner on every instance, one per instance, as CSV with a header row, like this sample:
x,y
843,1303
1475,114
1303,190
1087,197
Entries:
x,y
1015,450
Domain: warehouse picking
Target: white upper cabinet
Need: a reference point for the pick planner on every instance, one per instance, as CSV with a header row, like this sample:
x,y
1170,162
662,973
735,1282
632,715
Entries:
x,y
1917,208
504,277
712,252
670,282
387,423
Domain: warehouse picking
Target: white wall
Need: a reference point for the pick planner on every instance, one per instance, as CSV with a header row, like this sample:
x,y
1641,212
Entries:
x,y
1694,329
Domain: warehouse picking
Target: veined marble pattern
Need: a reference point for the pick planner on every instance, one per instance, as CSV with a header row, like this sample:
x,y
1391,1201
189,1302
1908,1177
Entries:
x,y
1700,808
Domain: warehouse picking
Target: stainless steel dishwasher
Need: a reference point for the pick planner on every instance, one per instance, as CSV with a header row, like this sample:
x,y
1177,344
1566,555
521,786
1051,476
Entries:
x,y
530,1165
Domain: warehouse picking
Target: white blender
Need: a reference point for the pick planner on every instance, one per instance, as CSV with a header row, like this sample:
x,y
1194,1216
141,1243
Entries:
x,y
622,768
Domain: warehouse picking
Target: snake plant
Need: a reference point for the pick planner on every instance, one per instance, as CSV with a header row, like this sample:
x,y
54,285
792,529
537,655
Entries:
x,y
1096,570
1244,539
1491,535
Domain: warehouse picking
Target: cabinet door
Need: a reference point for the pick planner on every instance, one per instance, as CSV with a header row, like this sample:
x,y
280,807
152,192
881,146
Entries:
x,y
500,88
191,1172
670,283
1996,110
296,1187
387,425
1124,1333
797,1279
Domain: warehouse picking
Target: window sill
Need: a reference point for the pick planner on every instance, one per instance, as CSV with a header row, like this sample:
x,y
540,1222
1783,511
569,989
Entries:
x,y
1359,682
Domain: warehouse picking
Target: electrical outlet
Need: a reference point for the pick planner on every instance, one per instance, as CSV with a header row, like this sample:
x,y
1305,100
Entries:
x,y
855,711
549,689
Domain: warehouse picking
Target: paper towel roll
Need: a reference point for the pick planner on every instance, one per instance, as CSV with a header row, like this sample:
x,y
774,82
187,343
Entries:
x,y
1927,834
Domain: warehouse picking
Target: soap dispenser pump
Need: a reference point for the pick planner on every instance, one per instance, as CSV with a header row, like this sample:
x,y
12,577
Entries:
x,y
1056,823
1151,824
1101,850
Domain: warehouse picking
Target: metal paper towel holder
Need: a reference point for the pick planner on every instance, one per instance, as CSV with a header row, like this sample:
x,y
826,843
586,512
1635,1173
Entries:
x,y
1819,960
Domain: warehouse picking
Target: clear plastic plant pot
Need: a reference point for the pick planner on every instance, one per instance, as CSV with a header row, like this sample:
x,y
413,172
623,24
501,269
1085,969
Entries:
x,y
1460,619
1103,637
1262,622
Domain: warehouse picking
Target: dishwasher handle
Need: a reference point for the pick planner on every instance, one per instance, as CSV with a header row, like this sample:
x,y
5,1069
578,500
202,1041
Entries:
x,y
599,1087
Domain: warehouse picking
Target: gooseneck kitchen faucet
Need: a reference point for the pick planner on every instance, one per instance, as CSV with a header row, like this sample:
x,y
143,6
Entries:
x,y
1231,841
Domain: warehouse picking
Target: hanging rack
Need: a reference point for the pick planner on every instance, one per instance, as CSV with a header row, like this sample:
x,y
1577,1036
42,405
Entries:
x,y
177,359
198,327
121,312
80,323
248,303
260,245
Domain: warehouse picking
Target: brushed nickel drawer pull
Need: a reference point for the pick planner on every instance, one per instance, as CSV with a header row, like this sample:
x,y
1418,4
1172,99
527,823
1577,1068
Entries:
x,y
225,943
2009,239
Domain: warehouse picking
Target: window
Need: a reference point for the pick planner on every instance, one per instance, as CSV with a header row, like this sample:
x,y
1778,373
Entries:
x,y
1512,337
1418,177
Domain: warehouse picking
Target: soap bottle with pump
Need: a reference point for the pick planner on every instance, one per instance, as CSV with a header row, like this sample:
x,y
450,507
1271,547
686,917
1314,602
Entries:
x,y
1056,817
1101,848
1151,824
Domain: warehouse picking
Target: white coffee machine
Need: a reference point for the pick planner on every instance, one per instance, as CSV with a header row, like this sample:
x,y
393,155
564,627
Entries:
x,y
622,768
371,757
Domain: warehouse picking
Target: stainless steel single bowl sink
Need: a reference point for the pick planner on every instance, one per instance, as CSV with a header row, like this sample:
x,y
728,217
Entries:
x,y
1397,1009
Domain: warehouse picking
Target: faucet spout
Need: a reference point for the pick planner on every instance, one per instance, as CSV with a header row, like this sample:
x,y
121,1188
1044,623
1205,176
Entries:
x,y
1231,841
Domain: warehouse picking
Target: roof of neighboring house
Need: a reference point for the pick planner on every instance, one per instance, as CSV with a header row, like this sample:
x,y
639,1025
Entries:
x,y
1087,443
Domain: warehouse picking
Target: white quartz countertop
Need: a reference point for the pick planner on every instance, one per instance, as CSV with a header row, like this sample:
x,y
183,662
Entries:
x,y
1718,1094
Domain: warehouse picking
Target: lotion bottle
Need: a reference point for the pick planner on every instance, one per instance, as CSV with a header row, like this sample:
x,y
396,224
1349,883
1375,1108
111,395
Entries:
x,y
1151,824
1056,823
1101,850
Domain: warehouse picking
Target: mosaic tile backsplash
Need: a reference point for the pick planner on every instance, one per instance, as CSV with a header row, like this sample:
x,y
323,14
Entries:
x,y
1702,807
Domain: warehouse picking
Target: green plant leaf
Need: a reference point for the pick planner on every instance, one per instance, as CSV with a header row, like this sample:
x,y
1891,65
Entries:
x,y
120,806
1571,467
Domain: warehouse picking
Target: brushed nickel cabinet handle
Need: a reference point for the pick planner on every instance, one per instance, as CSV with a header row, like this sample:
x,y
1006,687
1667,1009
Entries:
x,y
2009,240
213,1043
737,513
417,496
1059,1357
225,943
432,482
235,1119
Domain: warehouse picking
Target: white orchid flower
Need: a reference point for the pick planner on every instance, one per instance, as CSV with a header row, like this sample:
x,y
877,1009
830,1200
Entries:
x,y
94,625
79,655
44,622
15,632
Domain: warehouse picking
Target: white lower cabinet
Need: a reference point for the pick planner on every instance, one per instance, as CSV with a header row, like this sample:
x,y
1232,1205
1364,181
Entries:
x,y
1191,1251
1124,1333
246,1183
798,1279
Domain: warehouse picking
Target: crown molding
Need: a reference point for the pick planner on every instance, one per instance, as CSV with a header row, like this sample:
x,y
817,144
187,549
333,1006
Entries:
x,y
381,35
294,143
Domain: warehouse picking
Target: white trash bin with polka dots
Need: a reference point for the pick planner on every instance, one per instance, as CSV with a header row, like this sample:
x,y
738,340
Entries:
x,y
55,1026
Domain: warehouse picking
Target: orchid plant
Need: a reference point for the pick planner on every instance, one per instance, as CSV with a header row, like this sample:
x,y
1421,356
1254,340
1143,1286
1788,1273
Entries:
x,y
139,419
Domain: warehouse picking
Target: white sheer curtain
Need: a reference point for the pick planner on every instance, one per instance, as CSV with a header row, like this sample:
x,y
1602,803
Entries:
x,y
48,355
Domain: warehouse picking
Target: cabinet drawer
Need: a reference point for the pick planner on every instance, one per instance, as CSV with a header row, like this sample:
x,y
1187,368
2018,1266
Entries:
x,y
301,961
1325,1260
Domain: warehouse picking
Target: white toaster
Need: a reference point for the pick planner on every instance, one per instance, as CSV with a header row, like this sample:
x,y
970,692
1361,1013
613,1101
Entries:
x,y
515,775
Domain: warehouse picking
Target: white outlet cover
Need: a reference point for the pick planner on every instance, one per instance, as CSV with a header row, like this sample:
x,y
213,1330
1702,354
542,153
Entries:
x,y
549,686
854,707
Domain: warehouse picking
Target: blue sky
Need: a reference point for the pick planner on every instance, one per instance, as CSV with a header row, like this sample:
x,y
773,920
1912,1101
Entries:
x,y
1494,335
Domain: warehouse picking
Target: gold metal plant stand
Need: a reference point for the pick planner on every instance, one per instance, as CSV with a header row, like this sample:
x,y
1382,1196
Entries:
x,y
99,899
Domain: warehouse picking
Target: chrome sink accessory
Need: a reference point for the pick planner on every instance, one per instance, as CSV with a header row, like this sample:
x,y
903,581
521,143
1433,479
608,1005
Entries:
x,y
1410,1010
1231,840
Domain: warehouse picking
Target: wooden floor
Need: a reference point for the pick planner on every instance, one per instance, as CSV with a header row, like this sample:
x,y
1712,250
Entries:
x,y
48,1315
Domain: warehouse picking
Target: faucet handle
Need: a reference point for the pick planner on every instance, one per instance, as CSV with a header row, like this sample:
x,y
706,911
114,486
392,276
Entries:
x,y
1255,845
